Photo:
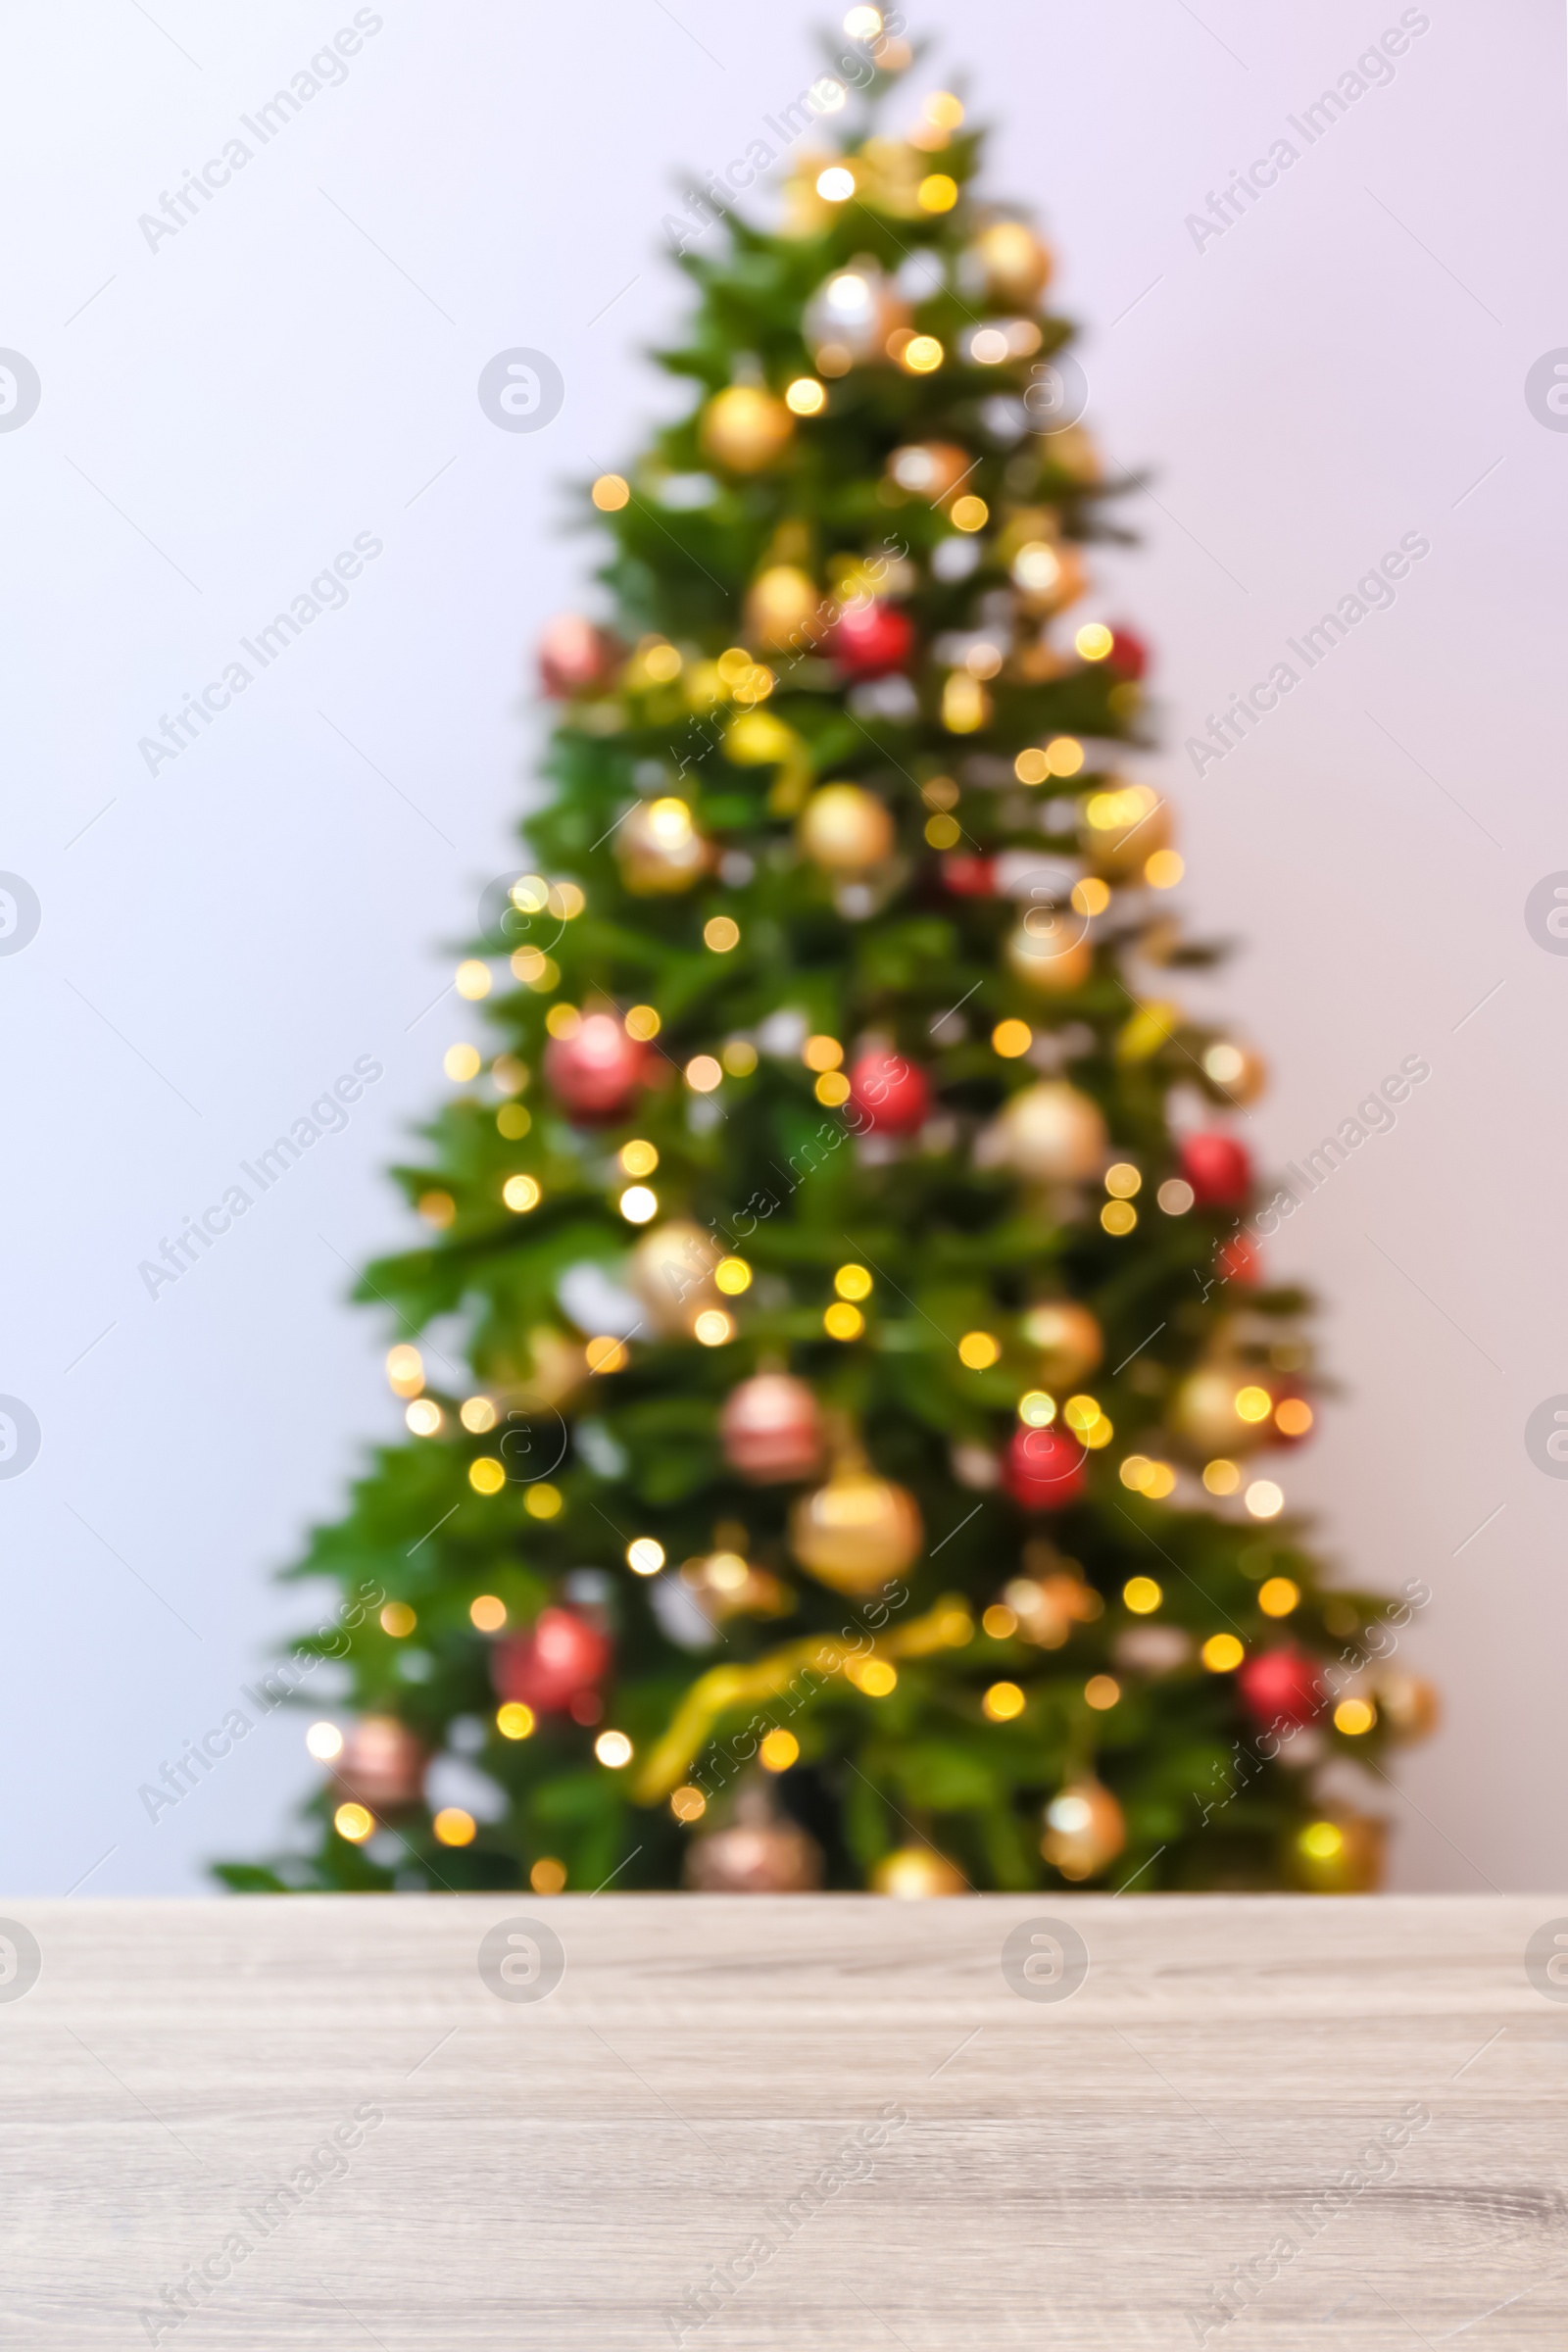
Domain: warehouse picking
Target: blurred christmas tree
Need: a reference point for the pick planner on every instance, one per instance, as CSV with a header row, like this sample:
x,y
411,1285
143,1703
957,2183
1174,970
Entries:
x,y
868,1349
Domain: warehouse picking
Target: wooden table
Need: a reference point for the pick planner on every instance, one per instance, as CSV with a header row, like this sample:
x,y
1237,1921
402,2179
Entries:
x,y
823,2121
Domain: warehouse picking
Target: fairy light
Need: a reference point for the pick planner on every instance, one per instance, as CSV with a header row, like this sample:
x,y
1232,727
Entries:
x,y
453,1826
611,493
805,397
644,1556
486,1475
405,1370
477,1414
637,1205
543,1501
1222,1653
1101,1691
354,1823
938,192
323,1741
1003,1701
688,1803
398,1620
473,979
721,932
487,1612
1278,1595
854,1281
548,1876
461,1063
613,1748
840,1321
423,1417
515,1721
835,186
638,1159
778,1751
704,1073
1011,1039
522,1193
1142,1595
732,1276
712,1328
978,1350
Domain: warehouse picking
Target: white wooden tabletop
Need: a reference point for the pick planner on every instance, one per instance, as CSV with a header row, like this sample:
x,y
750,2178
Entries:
x,y
768,2122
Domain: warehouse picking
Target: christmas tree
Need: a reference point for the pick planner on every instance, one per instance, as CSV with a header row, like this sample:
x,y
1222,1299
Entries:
x,y
868,1343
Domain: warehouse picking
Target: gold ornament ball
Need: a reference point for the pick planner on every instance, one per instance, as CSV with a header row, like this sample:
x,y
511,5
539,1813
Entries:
x,y
1203,1412
745,428
1408,1704
1085,1830
1049,950
672,1273
1121,827
845,830
914,1871
780,606
660,849
1069,1340
855,1531
382,1765
1014,262
1054,1134
757,1853
1342,1853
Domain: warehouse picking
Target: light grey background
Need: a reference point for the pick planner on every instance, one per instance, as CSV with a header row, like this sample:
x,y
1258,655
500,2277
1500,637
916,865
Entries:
x,y
220,416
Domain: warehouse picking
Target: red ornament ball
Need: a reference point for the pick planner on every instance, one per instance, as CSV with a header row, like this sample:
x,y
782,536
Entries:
x,y
595,1071
1281,1686
771,1430
1043,1469
554,1665
870,639
968,877
575,656
890,1092
1128,654
1218,1169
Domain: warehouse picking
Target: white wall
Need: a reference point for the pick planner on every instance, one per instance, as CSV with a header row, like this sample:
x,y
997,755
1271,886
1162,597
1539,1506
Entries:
x,y
222,415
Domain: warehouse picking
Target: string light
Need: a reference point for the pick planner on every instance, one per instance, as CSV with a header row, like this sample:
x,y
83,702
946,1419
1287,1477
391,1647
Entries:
x,y
806,397
513,1121
938,192
688,1803
613,1749
522,1193
461,1063
853,1281
1031,766
702,1073
1093,641
643,1024
323,1741
477,1414
840,1321
1003,1701
486,1475
922,355
398,1620
473,979
1142,1595
835,186
611,493
721,932
998,1621
437,1209
732,1275
423,1417
453,1826
1101,1691
712,1326
638,1205
488,1613
638,1159
1221,1477
1264,1500
778,1751
969,514
548,1876
543,1501
354,1823
515,1721
1353,1716
979,1350
1011,1038
405,1370
1222,1653
1175,1197
739,1058
822,1052
1278,1597
1037,1408
644,1556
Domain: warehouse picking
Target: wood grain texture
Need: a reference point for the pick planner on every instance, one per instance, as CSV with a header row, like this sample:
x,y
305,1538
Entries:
x,y
567,2172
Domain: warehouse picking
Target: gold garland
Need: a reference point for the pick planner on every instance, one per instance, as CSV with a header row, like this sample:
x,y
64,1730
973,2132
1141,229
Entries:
x,y
949,1626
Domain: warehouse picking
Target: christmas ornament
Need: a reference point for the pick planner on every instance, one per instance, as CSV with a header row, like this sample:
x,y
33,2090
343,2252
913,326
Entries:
x,y
595,1072
574,657
1047,1607
725,1585
1343,1853
1122,827
1218,1169
1049,950
1069,1341
852,313
913,1871
970,877
562,1657
759,1853
1204,1412
1408,1704
1085,1830
871,638
658,849
1014,265
781,608
1236,1073
381,1765
1053,1134
1044,1468
844,829
1128,654
1281,1686
930,469
671,1272
771,1430
855,1531
894,1095
745,428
